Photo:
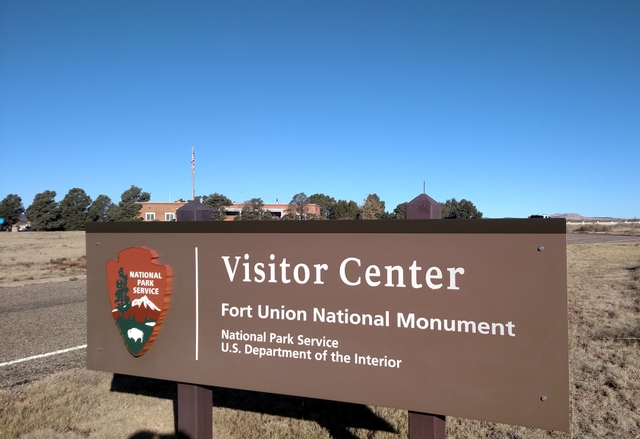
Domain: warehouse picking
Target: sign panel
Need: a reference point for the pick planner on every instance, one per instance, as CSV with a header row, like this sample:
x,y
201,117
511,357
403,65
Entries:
x,y
459,318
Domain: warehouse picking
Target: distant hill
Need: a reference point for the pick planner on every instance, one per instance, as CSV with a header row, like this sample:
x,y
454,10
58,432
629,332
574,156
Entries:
x,y
578,217
570,216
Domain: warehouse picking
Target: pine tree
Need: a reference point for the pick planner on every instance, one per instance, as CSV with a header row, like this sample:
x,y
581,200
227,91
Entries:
x,y
463,209
10,209
44,212
372,208
122,299
253,210
73,209
99,209
325,202
344,210
217,203
400,212
128,209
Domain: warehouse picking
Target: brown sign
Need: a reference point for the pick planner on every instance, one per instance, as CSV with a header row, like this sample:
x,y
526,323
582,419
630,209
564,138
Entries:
x,y
460,318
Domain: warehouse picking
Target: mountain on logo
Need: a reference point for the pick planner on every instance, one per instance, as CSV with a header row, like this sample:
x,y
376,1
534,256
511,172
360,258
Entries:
x,y
144,301
141,310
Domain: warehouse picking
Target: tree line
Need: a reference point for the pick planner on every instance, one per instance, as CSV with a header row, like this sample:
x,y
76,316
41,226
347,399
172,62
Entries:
x,y
77,208
73,211
372,208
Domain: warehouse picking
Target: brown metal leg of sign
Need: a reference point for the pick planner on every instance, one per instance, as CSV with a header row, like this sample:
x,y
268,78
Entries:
x,y
194,411
194,402
426,426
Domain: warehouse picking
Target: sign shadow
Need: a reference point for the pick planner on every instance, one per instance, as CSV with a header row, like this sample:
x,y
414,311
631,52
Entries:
x,y
335,417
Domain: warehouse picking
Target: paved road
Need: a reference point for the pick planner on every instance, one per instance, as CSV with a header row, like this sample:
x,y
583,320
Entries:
x,y
591,238
37,319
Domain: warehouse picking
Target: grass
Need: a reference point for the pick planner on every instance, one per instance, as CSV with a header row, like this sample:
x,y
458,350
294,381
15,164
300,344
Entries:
x,y
604,313
616,229
604,332
41,255
79,404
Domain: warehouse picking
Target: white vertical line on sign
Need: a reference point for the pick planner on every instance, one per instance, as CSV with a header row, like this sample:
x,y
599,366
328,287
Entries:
x,y
197,300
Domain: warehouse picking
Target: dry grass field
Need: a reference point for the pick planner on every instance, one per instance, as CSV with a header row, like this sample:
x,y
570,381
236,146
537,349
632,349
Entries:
x,y
604,339
38,255
629,228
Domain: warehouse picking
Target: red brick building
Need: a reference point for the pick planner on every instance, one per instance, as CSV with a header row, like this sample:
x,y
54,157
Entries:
x,y
166,211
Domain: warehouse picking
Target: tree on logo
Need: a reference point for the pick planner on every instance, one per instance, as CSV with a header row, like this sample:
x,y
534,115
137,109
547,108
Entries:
x,y
122,299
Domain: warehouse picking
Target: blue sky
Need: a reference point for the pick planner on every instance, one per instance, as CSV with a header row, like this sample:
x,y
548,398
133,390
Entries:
x,y
520,107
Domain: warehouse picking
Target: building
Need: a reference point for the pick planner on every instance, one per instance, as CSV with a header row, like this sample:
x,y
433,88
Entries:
x,y
166,211
152,211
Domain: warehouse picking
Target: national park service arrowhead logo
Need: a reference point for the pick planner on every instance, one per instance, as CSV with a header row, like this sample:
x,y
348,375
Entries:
x,y
139,290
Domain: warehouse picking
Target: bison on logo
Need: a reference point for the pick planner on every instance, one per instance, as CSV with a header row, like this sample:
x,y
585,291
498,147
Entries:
x,y
139,290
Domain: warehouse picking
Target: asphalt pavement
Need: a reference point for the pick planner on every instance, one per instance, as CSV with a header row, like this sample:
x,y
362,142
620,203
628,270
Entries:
x,y
38,319
592,238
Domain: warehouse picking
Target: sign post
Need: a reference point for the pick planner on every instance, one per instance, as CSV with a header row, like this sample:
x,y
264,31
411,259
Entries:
x,y
425,425
194,402
195,411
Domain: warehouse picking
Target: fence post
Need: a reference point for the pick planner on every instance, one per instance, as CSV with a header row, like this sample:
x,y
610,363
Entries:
x,y
425,425
195,403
